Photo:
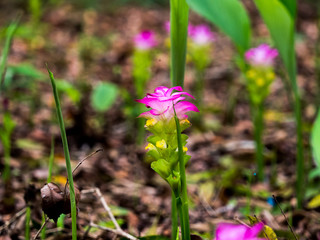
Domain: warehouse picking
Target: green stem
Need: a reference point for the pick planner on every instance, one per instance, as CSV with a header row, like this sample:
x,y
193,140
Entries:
x,y
43,231
184,217
179,14
174,217
28,218
300,159
182,220
258,130
67,157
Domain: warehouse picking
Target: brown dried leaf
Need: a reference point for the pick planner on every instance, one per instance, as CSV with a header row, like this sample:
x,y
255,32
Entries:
x,y
52,200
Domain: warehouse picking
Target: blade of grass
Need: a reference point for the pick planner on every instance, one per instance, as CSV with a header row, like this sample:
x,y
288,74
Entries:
x,y
179,13
66,155
3,62
28,218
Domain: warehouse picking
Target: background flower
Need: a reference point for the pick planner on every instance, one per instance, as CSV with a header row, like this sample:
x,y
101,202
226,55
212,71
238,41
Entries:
x,y
145,40
262,55
201,34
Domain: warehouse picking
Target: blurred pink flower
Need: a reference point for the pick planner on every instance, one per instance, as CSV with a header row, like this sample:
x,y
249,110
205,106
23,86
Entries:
x,y
263,55
145,40
161,104
201,34
228,231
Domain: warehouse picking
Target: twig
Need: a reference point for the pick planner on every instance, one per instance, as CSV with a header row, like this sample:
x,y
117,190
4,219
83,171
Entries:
x,y
78,165
115,231
291,229
90,155
118,229
236,218
13,219
39,231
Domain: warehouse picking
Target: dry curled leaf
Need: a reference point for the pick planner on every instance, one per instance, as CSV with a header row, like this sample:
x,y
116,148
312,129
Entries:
x,y
55,202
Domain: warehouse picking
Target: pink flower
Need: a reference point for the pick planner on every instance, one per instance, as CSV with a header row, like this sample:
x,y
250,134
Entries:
x,y
161,103
228,231
262,56
145,40
201,35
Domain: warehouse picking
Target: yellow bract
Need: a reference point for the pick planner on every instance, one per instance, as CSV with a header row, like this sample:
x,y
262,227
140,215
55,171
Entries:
x,y
161,144
150,146
151,122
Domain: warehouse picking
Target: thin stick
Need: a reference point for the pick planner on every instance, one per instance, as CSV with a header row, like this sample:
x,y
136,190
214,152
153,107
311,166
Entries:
x,y
115,231
39,231
13,219
90,155
236,218
118,229
275,199
78,165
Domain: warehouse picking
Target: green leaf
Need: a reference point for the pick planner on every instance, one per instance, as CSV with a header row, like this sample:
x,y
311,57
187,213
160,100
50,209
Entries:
x,y
291,5
315,141
281,26
179,13
103,96
230,16
26,69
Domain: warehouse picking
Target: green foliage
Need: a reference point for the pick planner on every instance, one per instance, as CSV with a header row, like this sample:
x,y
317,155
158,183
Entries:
x,y
179,13
291,5
4,55
315,144
281,26
69,89
103,96
35,10
6,130
230,16
141,70
27,224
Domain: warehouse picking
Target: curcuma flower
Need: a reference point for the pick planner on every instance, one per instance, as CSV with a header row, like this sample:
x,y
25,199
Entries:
x,y
201,35
163,145
145,40
227,231
162,102
262,56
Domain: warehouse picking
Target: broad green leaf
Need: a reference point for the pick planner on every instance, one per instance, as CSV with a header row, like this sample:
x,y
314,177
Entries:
x,y
103,96
230,16
179,13
315,141
291,5
26,69
281,27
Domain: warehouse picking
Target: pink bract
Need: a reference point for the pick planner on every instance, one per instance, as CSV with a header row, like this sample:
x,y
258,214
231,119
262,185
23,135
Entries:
x,y
201,35
228,231
262,55
161,103
145,40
